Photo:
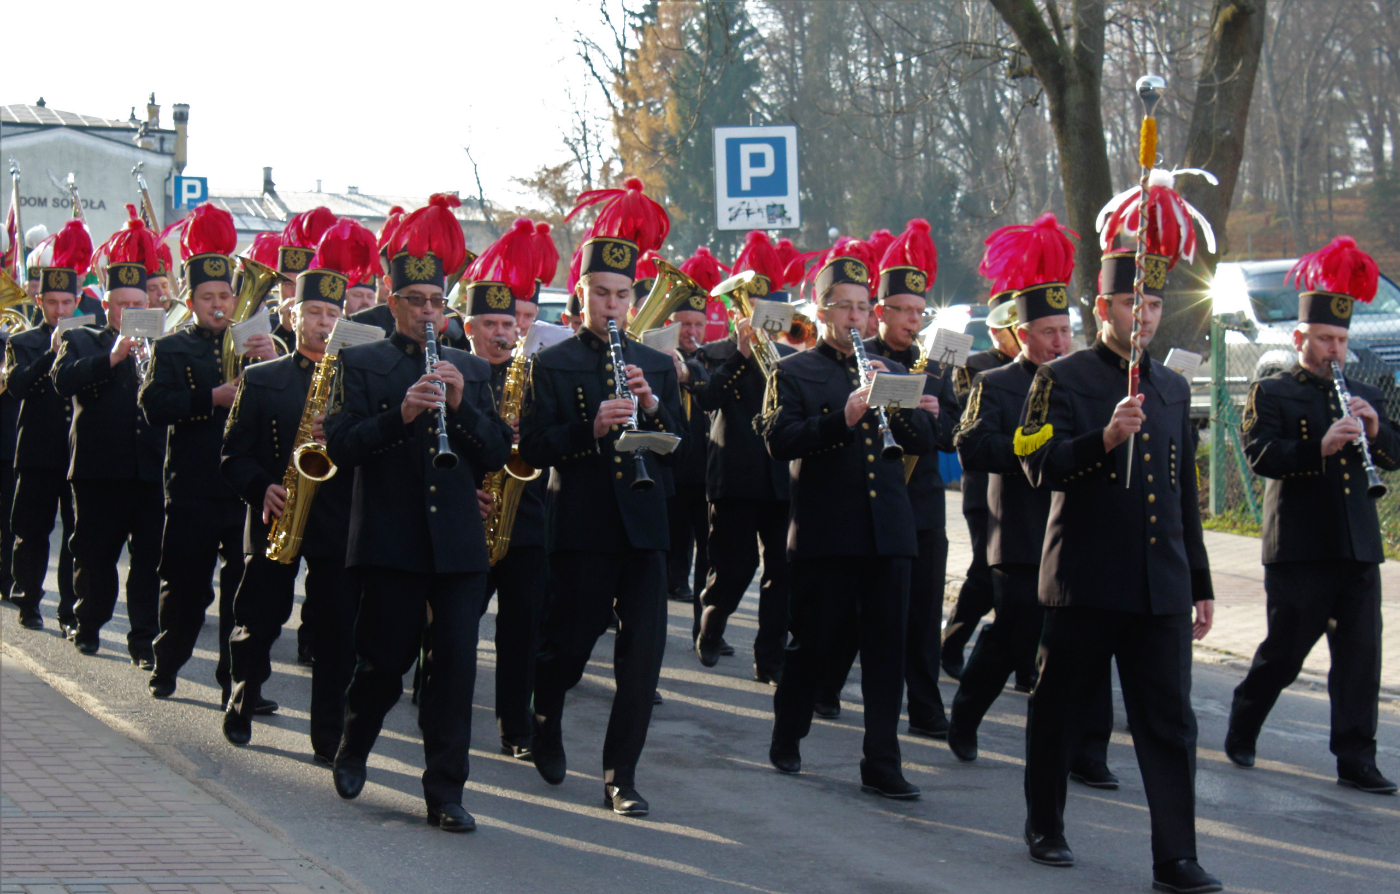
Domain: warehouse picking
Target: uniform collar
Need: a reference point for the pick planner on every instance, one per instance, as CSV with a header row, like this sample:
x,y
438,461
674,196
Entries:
x,y
1307,377
499,369
826,350
1001,357
206,334
404,343
602,345
304,362
1025,363
905,357
1117,361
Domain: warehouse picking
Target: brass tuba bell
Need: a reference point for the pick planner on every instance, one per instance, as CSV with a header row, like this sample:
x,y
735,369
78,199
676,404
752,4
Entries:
x,y
255,280
672,289
13,299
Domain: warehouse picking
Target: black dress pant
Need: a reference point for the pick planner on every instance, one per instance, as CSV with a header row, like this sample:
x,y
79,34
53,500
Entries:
x,y
7,534
1302,597
40,494
520,582
589,588
737,528
1005,645
824,592
107,515
388,637
975,597
1153,653
687,513
198,533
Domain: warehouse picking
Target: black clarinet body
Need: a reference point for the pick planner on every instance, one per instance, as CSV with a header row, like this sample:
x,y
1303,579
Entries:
x,y
444,458
640,480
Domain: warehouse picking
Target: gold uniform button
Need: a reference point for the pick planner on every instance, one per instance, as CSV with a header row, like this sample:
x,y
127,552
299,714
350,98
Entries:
x,y
866,425
1346,490
617,459
610,381
1152,519
872,476
1346,476
872,493
432,509
1344,462
870,457
1149,479
1147,457
1146,436
1152,541
614,428
432,488
1151,498
619,476
868,441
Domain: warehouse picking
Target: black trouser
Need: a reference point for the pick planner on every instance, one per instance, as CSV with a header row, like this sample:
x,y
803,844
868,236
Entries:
x,y
198,533
388,636
737,528
7,534
921,639
1004,646
975,597
687,513
263,604
39,495
588,589
824,593
107,515
1302,597
1154,667
520,583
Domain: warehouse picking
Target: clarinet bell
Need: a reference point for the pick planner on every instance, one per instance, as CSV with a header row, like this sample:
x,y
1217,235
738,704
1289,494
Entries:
x,y
891,449
1375,488
641,481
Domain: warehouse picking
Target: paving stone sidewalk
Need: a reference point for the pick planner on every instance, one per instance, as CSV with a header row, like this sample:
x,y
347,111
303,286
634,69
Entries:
x,y
85,811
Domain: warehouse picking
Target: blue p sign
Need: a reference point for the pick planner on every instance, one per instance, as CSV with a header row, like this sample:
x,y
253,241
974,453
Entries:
x,y
757,167
190,191
756,177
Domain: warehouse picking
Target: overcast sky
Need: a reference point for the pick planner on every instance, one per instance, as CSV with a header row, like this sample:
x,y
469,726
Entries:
x,y
382,96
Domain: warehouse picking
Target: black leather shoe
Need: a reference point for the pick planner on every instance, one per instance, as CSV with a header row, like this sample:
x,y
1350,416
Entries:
x,y
264,706
1050,850
932,728
519,752
237,728
305,657
349,779
146,660
625,801
827,708
655,697
161,686
725,648
30,619
1367,779
324,760
953,670
708,650
963,743
1023,684
1183,877
451,818
68,628
1095,775
896,789
682,593
83,645
786,757
1239,750
773,675
548,754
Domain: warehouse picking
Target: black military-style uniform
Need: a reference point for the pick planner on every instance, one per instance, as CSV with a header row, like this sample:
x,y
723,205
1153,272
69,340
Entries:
x,y
376,315
606,542
1120,570
687,509
851,541
520,582
749,495
1322,551
203,515
9,420
115,460
258,443
975,597
416,542
41,470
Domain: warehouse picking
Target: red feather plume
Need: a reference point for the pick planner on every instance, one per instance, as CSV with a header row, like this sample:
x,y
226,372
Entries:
x,y
165,263
760,255
794,263
72,247
626,213
433,228
913,248
305,230
1337,267
547,253
348,247
880,241
850,247
646,266
207,230
1169,219
264,248
575,269
511,259
705,268
1020,256
391,224
134,243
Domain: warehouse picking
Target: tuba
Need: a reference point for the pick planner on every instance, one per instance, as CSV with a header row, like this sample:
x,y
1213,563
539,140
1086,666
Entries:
x,y
669,293
309,466
13,298
255,281
506,485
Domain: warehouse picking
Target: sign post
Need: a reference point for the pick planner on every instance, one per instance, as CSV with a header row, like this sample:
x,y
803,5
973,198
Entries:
x,y
756,178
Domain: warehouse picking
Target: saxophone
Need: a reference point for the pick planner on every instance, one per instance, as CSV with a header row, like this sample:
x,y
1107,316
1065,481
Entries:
x,y
506,485
309,466
920,365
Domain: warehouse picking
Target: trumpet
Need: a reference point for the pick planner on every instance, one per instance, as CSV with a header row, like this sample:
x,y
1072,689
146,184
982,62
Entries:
x,y
890,448
1375,487
640,479
443,457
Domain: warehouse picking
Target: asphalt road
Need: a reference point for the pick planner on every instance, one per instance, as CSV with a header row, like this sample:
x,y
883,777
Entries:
x,y
721,818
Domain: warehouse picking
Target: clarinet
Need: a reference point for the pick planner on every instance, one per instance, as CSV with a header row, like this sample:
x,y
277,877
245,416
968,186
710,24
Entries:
x,y
444,458
640,480
1375,487
890,449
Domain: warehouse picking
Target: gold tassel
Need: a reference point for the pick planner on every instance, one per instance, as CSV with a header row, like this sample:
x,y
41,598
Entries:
x,y
1025,444
1147,144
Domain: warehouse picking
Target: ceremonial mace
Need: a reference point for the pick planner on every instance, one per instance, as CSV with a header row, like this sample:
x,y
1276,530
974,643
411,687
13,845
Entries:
x,y
1149,90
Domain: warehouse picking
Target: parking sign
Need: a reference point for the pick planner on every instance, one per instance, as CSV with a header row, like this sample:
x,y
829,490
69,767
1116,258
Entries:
x,y
756,178
190,191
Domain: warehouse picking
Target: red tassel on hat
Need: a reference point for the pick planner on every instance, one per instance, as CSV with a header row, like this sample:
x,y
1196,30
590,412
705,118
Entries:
x,y
705,269
913,248
391,224
134,243
1337,267
626,213
880,241
511,259
761,256
348,247
165,263
72,247
264,248
433,228
207,230
547,253
1020,256
1169,217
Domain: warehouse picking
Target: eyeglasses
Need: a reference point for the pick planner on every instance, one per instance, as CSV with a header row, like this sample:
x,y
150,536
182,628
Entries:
x,y
846,307
437,302
906,311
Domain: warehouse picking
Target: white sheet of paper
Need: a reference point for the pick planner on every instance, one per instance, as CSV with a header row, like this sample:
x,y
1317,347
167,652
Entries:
x,y
895,391
1184,362
665,339
144,323
347,334
948,348
75,322
257,324
774,316
545,335
658,442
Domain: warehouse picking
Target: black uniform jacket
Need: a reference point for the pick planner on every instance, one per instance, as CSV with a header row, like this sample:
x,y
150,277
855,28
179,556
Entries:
x,y
846,499
405,513
695,422
591,503
186,366
529,514
737,461
1315,508
1107,545
1017,512
926,488
258,445
44,417
9,418
974,483
110,438
376,315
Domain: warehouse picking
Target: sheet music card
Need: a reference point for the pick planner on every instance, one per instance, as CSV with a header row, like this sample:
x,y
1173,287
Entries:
x,y
347,335
257,324
948,348
666,339
143,323
658,442
895,391
1184,362
772,316
75,322
545,335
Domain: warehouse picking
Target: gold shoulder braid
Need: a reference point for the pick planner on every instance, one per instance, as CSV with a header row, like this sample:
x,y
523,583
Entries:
x,y
1036,432
962,381
337,390
1251,410
233,411
763,422
969,417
